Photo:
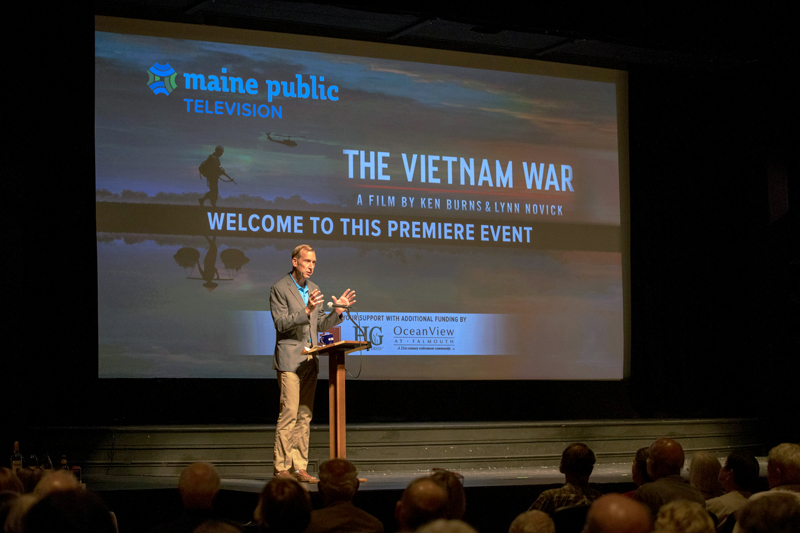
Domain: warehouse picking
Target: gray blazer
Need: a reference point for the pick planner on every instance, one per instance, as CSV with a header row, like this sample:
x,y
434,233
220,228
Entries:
x,y
293,327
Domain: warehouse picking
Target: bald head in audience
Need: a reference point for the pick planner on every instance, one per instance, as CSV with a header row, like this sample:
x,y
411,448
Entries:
x,y
55,482
665,459
199,485
614,513
423,501
533,522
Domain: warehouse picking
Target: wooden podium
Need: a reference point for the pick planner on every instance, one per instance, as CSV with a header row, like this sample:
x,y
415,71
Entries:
x,y
336,353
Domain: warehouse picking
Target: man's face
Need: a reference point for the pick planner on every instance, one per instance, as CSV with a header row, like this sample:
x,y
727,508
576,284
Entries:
x,y
305,263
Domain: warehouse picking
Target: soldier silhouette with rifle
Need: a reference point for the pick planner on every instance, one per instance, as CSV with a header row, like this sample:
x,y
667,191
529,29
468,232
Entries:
x,y
213,172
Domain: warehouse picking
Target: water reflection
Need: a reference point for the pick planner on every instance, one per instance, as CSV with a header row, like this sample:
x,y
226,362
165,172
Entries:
x,y
189,259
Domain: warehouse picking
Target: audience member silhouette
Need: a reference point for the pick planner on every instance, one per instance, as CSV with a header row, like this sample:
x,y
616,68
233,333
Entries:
x,y
783,468
780,513
577,463
30,477
704,471
436,503
198,487
10,481
664,467
783,475
446,526
217,526
683,516
17,510
639,469
7,500
423,501
69,511
532,522
284,506
54,482
615,513
452,483
738,477
338,483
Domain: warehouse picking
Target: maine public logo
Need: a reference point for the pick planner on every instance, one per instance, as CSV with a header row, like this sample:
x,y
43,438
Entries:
x,y
162,78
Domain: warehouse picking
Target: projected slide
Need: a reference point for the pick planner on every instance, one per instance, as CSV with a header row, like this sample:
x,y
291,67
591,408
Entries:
x,y
475,211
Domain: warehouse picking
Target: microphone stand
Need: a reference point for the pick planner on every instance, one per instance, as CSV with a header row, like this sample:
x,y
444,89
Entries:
x,y
358,327
361,330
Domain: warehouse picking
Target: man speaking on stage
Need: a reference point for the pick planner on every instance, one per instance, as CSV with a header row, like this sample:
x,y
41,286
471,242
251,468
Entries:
x,y
296,305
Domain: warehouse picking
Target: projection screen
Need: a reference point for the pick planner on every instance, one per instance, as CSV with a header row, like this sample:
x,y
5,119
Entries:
x,y
474,203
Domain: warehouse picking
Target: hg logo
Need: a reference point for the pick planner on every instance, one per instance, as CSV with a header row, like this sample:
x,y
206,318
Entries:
x,y
375,338
162,78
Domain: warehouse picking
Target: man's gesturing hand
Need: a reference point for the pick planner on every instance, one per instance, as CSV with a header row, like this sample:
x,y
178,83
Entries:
x,y
315,298
348,298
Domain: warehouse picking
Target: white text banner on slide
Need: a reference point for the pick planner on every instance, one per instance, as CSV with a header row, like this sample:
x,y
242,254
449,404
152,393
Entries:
x,y
392,333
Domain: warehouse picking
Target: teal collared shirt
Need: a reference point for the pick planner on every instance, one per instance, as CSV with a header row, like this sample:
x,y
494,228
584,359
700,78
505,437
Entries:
x,y
303,294
303,290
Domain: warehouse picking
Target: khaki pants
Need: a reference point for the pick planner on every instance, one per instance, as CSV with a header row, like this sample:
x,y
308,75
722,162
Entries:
x,y
296,408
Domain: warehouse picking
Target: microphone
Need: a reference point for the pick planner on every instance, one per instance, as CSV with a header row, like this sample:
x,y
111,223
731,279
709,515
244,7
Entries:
x,y
332,305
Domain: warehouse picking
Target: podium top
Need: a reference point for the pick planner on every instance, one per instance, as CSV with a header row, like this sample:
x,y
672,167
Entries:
x,y
339,346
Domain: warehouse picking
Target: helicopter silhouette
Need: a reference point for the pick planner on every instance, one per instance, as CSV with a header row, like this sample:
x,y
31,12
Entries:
x,y
287,141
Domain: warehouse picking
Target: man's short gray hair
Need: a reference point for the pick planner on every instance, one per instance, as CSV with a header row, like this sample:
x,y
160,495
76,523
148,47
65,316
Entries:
x,y
533,522
683,516
301,248
786,456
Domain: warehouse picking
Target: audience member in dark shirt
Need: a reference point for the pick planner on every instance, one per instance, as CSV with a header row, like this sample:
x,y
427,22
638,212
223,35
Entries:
x,y
738,478
577,463
338,483
284,506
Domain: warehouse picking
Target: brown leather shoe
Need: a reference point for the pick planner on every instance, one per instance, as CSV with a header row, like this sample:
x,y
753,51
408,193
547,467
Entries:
x,y
304,477
284,474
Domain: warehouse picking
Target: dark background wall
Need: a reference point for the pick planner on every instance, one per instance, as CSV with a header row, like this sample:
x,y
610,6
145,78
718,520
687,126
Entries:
x,y
714,268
